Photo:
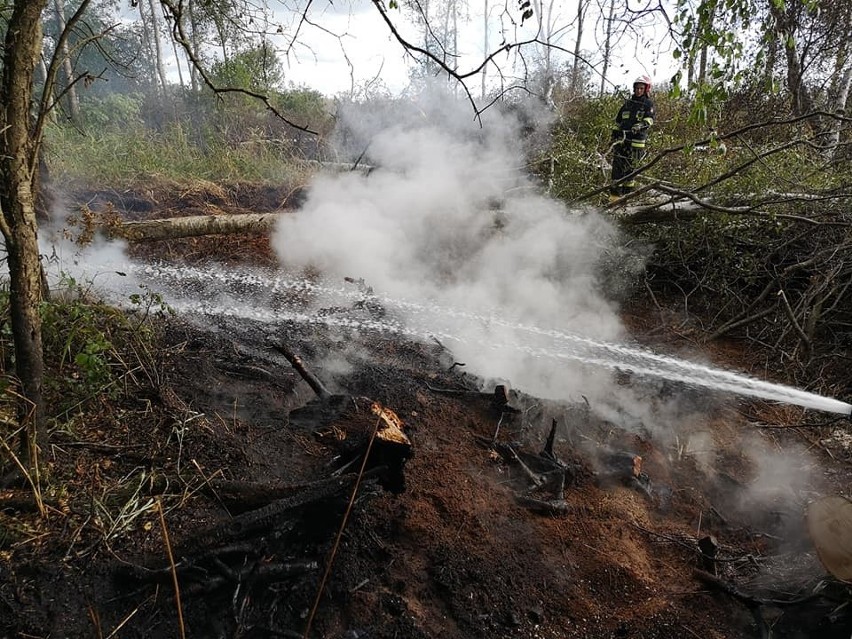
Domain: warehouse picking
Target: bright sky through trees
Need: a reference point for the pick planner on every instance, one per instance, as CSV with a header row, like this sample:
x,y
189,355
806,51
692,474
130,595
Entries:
x,y
354,51
320,60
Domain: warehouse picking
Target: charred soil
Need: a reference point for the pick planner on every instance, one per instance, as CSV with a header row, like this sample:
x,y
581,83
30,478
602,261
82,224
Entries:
x,y
222,496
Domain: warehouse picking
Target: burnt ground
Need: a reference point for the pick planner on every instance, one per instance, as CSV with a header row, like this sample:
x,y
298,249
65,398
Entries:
x,y
277,527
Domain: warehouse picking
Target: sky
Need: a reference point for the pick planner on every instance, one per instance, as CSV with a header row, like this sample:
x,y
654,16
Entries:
x,y
346,46
373,52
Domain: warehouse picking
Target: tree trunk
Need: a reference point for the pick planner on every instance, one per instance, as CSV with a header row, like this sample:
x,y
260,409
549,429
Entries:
x,y
192,226
177,64
705,54
607,49
72,101
18,167
484,47
195,37
838,95
149,47
158,49
785,27
582,5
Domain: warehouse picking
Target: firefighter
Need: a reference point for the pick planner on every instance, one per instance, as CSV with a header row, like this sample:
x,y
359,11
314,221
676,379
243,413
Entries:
x,y
633,121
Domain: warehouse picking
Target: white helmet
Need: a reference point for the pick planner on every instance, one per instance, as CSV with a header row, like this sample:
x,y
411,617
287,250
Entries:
x,y
643,79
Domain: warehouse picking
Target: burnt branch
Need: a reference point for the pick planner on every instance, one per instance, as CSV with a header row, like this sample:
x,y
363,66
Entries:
x,y
296,362
279,513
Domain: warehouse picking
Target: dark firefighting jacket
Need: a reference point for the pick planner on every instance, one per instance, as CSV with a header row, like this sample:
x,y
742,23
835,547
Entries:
x,y
635,111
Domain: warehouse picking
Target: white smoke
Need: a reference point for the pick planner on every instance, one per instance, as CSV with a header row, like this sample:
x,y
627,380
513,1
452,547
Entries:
x,y
425,226
99,268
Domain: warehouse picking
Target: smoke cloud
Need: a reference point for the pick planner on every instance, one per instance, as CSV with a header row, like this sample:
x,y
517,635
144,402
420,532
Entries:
x,y
449,221
100,267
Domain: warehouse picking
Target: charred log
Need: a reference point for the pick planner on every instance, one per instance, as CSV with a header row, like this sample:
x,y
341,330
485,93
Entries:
x,y
548,447
279,542
281,512
498,398
543,490
243,496
709,548
376,432
550,507
753,604
353,427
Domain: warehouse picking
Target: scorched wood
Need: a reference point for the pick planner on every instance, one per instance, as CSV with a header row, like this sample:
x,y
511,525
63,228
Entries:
x,y
241,496
353,426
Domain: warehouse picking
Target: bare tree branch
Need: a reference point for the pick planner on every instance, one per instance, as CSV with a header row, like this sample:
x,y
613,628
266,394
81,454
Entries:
x,y
180,36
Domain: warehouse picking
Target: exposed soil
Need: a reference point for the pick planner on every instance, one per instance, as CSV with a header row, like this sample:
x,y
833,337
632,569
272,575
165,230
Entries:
x,y
469,544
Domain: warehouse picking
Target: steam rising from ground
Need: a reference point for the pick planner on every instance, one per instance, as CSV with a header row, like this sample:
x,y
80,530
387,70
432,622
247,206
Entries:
x,y
456,242
101,267
449,218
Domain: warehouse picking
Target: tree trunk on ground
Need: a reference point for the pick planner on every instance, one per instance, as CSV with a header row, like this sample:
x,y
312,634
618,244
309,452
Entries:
x,y
192,226
18,167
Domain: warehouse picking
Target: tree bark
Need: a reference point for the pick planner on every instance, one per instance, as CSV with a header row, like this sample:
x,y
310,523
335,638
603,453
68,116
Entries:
x,y
192,226
576,90
484,47
839,96
18,171
158,48
67,67
149,47
786,27
607,47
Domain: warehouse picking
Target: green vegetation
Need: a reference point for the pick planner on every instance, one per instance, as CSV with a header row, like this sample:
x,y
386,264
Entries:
x,y
99,362
129,138
94,351
761,257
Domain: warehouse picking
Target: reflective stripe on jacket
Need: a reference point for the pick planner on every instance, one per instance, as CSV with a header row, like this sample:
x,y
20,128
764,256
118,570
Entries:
x,y
636,111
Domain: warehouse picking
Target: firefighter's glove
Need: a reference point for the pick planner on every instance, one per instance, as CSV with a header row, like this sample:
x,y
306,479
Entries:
x,y
639,127
617,134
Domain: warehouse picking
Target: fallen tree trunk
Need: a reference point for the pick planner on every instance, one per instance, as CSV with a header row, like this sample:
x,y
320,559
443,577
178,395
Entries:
x,y
192,226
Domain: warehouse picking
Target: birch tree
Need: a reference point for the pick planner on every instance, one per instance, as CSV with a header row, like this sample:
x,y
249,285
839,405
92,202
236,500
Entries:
x,y
70,90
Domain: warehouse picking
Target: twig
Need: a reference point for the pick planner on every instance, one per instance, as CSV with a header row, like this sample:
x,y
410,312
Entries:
x,y
297,363
497,429
42,511
340,531
123,622
96,620
181,628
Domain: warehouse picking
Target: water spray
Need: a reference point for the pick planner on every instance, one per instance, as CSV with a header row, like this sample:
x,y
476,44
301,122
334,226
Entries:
x,y
519,337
